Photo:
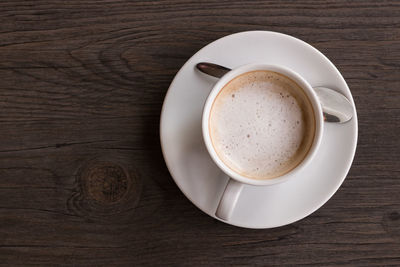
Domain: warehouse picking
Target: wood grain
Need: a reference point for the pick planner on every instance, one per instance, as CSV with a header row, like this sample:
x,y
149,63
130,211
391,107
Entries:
x,y
82,83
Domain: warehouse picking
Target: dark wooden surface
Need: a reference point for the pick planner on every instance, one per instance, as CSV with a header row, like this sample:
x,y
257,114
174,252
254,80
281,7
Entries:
x,y
82,178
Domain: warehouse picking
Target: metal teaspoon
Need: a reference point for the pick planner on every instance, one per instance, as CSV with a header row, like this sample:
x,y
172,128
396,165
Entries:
x,y
335,106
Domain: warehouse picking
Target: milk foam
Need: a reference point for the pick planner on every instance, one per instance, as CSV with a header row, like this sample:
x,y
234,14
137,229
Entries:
x,y
258,124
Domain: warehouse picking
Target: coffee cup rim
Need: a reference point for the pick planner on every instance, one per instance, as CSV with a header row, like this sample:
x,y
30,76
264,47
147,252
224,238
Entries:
x,y
312,96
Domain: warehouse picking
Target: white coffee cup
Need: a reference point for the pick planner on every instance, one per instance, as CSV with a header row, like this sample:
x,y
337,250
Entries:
x,y
235,185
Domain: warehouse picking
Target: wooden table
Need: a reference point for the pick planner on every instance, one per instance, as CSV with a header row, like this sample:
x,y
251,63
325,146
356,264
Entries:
x,y
82,178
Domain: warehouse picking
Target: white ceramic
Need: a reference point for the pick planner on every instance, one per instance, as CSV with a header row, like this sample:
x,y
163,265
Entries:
x,y
234,188
199,177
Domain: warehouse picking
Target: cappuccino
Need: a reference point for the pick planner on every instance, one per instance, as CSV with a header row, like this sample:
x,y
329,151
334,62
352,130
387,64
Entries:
x,y
262,124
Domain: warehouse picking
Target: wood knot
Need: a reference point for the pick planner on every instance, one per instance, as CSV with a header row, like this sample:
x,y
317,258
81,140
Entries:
x,y
108,189
106,182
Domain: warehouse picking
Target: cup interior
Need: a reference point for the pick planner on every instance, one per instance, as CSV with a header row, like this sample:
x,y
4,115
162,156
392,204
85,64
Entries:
x,y
310,94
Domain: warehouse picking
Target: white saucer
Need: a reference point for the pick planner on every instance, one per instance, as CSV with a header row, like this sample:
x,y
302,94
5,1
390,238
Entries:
x,y
200,179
